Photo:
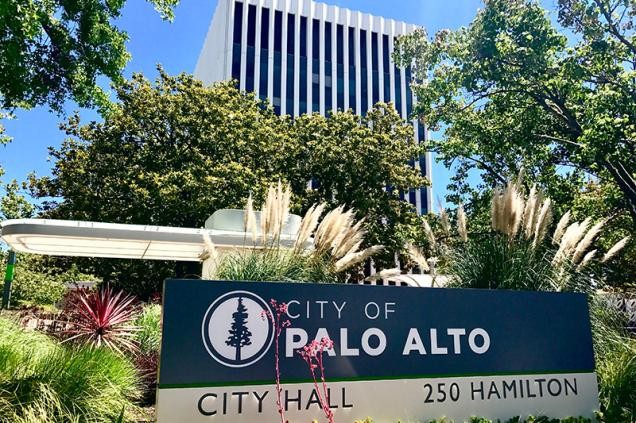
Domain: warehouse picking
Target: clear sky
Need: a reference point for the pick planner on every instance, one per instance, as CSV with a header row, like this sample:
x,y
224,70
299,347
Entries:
x,y
176,47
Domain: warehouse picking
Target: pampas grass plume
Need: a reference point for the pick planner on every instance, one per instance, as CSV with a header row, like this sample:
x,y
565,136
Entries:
x,y
354,258
560,229
430,236
615,249
588,257
418,257
461,223
587,241
250,218
543,220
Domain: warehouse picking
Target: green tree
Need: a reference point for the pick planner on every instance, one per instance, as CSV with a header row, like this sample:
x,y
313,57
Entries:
x,y
14,205
51,51
54,50
513,91
363,164
174,151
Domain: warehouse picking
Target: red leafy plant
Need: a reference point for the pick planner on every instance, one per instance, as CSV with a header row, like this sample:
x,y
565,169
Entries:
x,y
312,353
102,318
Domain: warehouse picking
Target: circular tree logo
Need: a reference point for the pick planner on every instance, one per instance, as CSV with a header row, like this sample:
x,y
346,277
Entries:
x,y
235,332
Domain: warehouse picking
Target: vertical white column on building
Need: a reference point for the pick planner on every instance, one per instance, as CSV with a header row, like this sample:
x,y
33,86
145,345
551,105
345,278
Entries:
x,y
310,55
298,12
356,43
270,52
229,38
257,47
369,65
391,32
381,33
333,15
429,174
403,112
243,46
322,14
346,20
283,65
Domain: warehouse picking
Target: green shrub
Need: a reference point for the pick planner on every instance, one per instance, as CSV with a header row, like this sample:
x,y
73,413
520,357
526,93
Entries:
x,y
43,381
615,351
37,282
148,323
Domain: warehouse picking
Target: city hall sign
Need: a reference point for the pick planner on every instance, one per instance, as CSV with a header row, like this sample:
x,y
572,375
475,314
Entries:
x,y
398,353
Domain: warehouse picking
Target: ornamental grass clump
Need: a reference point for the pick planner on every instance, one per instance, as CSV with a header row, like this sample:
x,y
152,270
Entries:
x,y
44,381
325,249
516,255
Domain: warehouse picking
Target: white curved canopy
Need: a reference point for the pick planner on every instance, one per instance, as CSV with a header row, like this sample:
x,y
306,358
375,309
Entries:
x,y
112,240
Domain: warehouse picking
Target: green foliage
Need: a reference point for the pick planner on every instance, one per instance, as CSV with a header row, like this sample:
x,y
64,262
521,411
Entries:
x,y
274,265
148,324
493,262
43,381
38,281
615,351
51,51
174,151
14,205
513,91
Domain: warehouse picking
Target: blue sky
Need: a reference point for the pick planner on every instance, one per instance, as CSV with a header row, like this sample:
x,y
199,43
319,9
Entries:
x,y
176,47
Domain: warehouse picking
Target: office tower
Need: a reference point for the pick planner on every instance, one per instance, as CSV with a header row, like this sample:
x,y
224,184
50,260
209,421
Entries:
x,y
305,57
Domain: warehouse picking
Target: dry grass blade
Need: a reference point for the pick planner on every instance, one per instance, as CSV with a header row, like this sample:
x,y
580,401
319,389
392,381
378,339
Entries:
x,y
512,212
587,241
444,221
308,225
461,224
543,220
560,229
529,212
355,258
417,256
615,249
430,236
250,219
588,257
569,234
351,240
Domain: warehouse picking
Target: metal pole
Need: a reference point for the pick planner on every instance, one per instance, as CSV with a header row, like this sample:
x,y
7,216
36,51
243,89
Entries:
x,y
8,279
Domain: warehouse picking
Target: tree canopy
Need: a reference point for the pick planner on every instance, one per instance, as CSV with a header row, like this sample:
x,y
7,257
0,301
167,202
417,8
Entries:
x,y
54,50
174,151
511,90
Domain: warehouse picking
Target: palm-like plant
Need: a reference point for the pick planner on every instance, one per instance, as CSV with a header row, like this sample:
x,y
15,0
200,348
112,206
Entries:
x,y
102,318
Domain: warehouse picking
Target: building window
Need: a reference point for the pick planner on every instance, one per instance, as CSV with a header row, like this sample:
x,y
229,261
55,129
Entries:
x,y
364,91
352,71
328,68
340,66
409,92
303,66
386,62
315,65
262,89
291,44
375,67
398,90
251,48
278,44
236,44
